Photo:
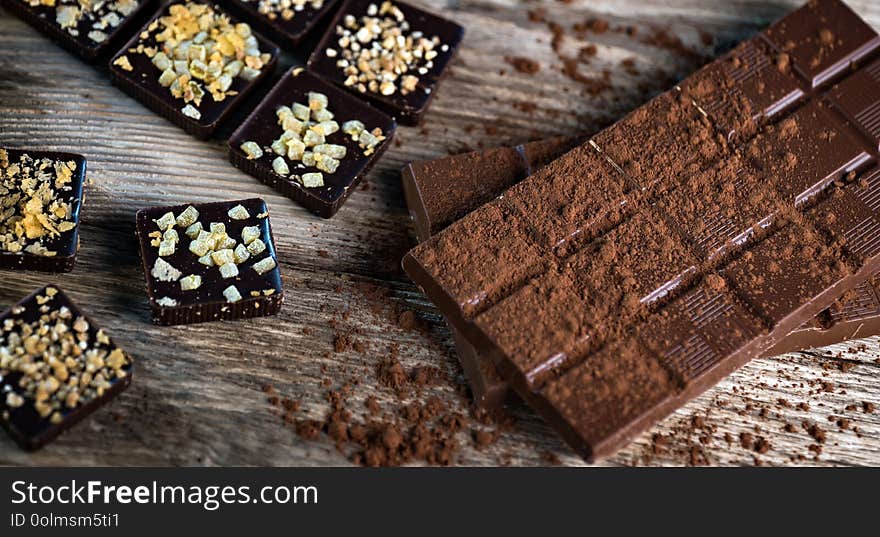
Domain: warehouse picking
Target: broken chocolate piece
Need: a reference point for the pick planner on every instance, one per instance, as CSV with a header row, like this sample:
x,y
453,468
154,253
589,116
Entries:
x,y
392,53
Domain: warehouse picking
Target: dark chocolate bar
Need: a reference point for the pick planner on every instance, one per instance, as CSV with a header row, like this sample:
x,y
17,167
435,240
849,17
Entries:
x,y
41,194
855,315
56,367
209,261
181,77
347,55
311,141
640,268
433,193
91,30
439,192
284,21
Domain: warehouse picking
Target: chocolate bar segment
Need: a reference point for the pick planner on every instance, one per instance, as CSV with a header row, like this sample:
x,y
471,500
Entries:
x,y
41,195
645,268
56,367
287,22
662,140
803,153
854,97
855,315
714,230
441,191
393,53
311,141
92,30
209,261
193,81
821,40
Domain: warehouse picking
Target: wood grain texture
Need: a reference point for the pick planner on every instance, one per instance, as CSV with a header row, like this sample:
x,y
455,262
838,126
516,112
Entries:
x,y
196,397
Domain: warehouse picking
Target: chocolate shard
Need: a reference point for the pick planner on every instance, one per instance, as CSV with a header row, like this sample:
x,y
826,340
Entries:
x,y
42,199
653,306
209,261
45,387
176,83
441,191
284,151
337,57
91,30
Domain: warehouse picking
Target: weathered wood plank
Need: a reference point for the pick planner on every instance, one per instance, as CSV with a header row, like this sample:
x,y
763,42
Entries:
x,y
197,395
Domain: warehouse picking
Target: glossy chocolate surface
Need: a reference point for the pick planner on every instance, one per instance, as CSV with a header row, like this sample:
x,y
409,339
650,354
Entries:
x,y
208,303
262,127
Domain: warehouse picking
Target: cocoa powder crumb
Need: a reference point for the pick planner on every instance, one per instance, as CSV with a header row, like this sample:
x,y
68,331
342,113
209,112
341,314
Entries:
x,y
746,440
523,65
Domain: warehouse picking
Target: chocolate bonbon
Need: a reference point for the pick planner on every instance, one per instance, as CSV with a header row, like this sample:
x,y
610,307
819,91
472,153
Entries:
x,y
41,195
392,53
611,315
311,141
56,367
193,64
287,22
209,261
91,30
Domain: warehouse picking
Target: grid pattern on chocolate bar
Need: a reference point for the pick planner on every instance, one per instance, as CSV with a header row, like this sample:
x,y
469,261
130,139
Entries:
x,y
774,279
853,97
863,302
742,89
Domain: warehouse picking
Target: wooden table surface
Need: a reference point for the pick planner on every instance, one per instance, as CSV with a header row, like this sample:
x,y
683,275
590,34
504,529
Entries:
x,y
197,393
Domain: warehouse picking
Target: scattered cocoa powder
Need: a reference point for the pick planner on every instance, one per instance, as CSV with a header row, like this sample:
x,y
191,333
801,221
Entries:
x,y
523,65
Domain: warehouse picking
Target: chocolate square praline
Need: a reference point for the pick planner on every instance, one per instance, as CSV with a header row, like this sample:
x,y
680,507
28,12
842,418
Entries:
x,y
43,18
287,33
24,424
66,244
142,82
407,109
262,127
207,303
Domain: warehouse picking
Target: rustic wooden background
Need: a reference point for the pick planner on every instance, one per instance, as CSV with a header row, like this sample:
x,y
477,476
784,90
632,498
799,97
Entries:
x,y
197,397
